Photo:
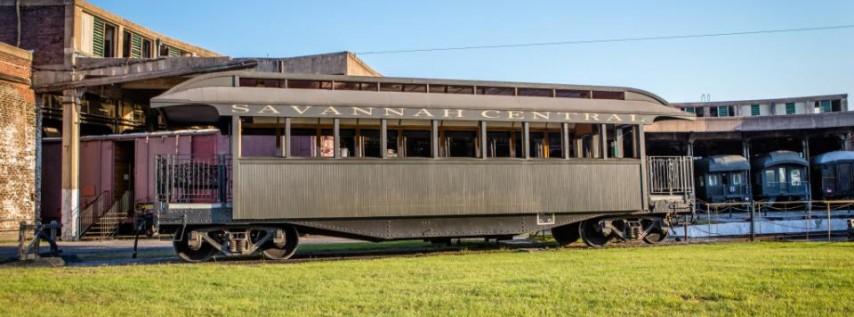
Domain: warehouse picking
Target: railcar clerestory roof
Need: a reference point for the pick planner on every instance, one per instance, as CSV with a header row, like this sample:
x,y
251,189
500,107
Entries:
x,y
206,97
834,157
780,158
722,163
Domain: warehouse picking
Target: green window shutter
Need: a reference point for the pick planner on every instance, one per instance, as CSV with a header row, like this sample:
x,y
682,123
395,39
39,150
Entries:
x,y
135,45
98,37
754,110
723,111
173,52
825,106
790,108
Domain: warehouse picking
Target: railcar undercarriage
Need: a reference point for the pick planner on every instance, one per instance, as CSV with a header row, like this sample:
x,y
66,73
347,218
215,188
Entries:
x,y
197,243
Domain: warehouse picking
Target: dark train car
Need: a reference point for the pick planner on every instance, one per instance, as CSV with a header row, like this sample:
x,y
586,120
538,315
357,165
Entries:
x,y
832,175
780,175
722,178
402,158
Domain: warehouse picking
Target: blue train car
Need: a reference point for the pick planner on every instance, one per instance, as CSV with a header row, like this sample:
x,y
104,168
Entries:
x,y
722,178
780,175
833,175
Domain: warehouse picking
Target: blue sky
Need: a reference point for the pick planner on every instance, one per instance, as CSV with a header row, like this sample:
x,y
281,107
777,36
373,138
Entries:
x,y
744,67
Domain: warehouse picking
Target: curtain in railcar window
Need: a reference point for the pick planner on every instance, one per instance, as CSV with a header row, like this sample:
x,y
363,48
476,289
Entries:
x,y
302,142
326,146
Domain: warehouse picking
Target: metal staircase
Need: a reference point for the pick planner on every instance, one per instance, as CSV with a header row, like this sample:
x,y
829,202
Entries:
x,y
104,217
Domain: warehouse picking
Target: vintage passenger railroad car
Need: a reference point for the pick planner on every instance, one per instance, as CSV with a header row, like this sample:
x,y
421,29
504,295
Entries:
x,y
403,158
781,175
832,175
722,178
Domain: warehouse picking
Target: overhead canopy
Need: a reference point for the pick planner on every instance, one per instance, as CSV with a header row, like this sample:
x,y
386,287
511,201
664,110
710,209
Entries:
x,y
206,97
780,158
834,157
722,163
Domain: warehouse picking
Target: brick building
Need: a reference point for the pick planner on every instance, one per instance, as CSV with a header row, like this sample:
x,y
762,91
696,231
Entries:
x,y
93,73
17,140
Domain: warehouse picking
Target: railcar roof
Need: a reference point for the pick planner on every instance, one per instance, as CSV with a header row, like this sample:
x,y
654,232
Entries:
x,y
722,163
780,158
219,90
834,157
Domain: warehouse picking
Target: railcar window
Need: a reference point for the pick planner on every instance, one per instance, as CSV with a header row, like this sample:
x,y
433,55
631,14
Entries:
x,y
417,143
351,85
391,87
503,139
302,142
539,137
261,82
795,176
569,93
347,144
309,84
536,92
844,171
459,139
615,95
502,91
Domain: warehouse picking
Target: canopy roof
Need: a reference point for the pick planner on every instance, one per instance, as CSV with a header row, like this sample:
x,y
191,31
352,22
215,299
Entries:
x,y
780,158
834,157
722,163
205,98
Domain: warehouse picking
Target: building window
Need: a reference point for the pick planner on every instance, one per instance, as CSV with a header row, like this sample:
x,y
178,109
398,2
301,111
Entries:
x,y
825,106
132,47
790,108
754,110
103,38
170,51
146,48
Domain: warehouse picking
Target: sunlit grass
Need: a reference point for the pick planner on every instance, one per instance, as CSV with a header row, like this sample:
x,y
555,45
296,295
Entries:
x,y
747,279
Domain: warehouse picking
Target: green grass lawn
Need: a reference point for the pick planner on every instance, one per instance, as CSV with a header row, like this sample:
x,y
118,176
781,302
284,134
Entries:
x,y
746,279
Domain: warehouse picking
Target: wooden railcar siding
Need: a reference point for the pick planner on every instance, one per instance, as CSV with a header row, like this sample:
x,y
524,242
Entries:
x,y
291,189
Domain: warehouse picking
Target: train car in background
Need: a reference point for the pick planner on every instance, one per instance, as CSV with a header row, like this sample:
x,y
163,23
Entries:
x,y
832,175
722,178
405,158
117,179
780,175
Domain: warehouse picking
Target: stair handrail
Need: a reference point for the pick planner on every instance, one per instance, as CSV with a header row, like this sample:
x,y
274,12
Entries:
x,y
87,217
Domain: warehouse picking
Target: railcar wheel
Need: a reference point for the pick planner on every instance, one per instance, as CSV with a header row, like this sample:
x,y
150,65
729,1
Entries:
x,y
192,248
283,245
595,233
655,232
566,235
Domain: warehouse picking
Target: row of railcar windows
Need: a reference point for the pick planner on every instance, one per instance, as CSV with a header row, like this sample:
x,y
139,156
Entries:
x,y
431,88
315,138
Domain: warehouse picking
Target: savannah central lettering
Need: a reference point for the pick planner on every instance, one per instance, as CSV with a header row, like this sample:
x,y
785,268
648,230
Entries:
x,y
424,113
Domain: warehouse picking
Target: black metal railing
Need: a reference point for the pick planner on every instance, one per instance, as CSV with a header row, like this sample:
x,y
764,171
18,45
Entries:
x,y
183,179
671,175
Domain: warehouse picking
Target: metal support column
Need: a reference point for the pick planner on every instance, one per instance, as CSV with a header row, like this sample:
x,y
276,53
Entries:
x,y
70,210
604,134
564,140
526,140
384,138
643,176
336,135
434,138
484,151
286,141
236,154
806,147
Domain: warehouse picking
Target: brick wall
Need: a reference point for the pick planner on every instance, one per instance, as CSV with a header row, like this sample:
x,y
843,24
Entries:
x,y
17,140
42,31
